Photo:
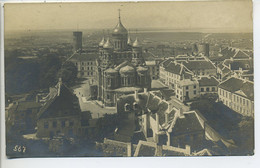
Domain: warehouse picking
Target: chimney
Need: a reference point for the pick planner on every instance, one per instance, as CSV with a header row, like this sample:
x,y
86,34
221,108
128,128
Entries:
x,y
159,150
181,115
59,85
157,123
37,98
129,150
187,147
167,114
145,90
136,94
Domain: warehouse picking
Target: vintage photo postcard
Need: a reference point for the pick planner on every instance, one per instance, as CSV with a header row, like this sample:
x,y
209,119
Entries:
x,y
129,79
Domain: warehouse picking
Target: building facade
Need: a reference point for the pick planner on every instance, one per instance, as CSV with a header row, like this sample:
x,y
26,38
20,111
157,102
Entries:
x,y
60,114
238,95
153,67
121,67
208,85
187,89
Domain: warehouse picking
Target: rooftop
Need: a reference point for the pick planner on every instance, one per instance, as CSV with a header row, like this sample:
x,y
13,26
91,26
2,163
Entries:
x,y
208,81
234,84
84,57
199,64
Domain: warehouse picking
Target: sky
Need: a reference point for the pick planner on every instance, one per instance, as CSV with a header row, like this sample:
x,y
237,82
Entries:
x,y
230,16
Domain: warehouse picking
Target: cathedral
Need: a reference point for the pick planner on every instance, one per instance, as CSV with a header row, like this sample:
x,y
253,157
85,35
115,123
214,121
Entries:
x,y
121,67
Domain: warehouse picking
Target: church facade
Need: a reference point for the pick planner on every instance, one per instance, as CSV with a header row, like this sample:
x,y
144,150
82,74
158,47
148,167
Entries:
x,y
121,67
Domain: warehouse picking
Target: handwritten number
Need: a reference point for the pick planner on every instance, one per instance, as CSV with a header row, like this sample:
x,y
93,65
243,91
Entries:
x,y
18,148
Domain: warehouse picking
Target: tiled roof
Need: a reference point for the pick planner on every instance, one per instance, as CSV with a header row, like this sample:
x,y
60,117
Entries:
x,y
225,70
161,112
208,81
166,62
62,103
232,84
241,54
146,150
152,103
173,68
196,65
235,84
244,64
187,124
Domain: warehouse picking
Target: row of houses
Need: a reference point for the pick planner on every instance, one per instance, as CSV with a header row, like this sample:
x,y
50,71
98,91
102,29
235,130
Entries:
x,y
188,82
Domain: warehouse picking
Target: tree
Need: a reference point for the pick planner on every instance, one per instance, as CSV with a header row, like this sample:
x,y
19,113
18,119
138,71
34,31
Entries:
x,y
49,67
105,126
68,73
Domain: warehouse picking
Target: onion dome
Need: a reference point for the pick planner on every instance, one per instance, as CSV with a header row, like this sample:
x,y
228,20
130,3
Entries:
x,y
142,69
129,41
102,42
119,29
111,71
136,43
108,44
127,69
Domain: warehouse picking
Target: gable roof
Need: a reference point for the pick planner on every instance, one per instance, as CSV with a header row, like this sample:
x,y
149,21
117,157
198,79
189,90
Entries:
x,y
166,62
62,102
241,54
84,57
208,81
235,84
199,64
187,124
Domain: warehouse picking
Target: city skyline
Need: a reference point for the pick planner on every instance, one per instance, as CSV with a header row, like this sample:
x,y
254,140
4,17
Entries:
x,y
236,16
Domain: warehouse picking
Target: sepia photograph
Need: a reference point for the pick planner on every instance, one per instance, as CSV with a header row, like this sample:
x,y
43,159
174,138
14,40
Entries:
x,y
129,79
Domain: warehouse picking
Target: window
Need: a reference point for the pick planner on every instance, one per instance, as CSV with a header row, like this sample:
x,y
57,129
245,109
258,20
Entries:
x,y
187,94
213,89
202,89
247,102
46,125
194,86
187,87
71,123
62,124
194,91
207,89
54,124
82,68
82,63
243,101
108,97
129,81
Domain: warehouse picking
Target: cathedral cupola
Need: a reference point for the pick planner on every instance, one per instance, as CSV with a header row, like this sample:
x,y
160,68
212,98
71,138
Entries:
x,y
119,29
108,44
102,42
137,43
120,36
129,41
